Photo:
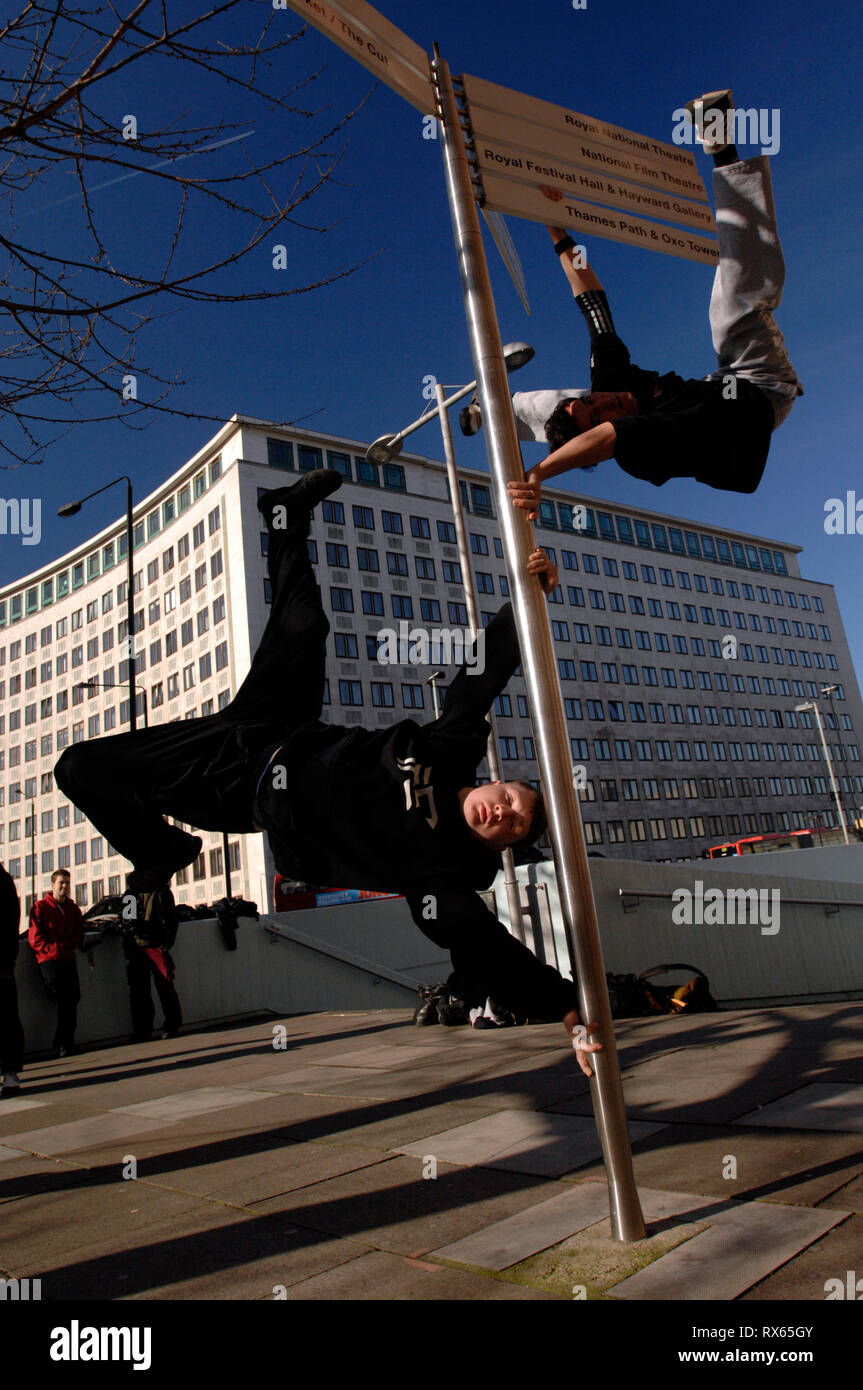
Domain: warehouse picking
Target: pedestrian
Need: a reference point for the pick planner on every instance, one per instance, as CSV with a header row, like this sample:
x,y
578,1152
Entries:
x,y
660,426
392,809
148,935
56,930
11,1032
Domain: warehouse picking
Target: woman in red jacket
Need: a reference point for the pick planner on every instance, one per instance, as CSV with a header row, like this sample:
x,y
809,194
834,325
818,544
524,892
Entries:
x,y
56,929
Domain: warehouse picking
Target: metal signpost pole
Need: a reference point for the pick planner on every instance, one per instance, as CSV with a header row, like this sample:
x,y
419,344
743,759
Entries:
x,y
513,897
573,872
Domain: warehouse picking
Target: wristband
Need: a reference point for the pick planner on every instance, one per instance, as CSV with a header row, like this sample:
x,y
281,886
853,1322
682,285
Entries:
x,y
565,244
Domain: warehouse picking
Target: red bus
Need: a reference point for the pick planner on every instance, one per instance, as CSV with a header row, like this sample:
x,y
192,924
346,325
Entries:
x,y
788,839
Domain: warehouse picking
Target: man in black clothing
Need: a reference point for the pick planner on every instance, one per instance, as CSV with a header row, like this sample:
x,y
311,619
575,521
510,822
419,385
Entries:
x,y
394,809
660,426
11,1032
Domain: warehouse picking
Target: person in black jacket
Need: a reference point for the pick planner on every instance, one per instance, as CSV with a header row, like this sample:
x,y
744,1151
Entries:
x,y
149,932
11,1032
395,809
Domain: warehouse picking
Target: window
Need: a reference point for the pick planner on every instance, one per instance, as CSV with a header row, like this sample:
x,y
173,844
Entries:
x,y
430,610
364,518
392,523
478,544
373,604
412,697
420,527
346,645
337,556
382,694
446,532
334,513
350,692
280,453
426,570
403,606
368,560
396,563
342,600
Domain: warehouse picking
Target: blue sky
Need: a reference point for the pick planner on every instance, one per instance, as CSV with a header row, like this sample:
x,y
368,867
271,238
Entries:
x,y
352,357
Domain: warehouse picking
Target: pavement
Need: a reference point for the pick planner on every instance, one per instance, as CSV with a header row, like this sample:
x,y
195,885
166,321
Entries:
x,y
353,1156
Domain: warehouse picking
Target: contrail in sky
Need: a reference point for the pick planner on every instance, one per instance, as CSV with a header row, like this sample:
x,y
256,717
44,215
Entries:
x,y
134,174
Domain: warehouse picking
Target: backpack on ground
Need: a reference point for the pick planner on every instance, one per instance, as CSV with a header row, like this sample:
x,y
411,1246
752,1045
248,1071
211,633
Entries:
x,y
632,997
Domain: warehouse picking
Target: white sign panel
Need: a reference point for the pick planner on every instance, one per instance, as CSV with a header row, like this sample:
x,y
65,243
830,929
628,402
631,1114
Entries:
x,y
539,126
587,219
369,37
568,179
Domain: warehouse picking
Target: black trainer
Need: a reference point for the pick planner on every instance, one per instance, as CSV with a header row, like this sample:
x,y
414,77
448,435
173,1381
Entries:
x,y
302,496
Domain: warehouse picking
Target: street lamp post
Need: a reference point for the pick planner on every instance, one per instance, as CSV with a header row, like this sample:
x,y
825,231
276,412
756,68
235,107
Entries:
x,y
70,509
381,451
813,706
432,680
93,684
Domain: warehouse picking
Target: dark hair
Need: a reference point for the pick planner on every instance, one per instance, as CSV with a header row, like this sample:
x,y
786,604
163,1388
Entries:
x,y
61,873
538,819
560,426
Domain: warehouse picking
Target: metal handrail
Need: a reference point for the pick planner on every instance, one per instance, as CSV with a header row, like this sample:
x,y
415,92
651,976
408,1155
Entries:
x,y
313,943
804,902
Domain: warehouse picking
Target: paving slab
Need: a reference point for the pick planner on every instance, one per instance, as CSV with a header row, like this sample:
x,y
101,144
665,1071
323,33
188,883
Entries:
x,y
302,1079
520,1236
78,1134
189,1104
206,1239
11,1105
39,1235
382,1276
792,1166
388,1055
833,1257
302,1256
744,1242
394,1205
522,1141
819,1106
270,1173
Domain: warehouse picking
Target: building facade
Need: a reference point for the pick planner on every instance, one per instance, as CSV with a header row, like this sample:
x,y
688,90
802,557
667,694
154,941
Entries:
x,y
683,653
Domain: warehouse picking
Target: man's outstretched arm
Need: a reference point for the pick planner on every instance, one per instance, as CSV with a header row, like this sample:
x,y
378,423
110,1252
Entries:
x,y
494,659
496,965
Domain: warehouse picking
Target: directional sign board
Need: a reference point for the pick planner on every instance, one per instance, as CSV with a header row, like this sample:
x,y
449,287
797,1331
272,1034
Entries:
x,y
587,219
549,164
376,43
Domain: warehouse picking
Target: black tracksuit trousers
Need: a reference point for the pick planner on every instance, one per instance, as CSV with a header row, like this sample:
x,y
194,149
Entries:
x,y
204,772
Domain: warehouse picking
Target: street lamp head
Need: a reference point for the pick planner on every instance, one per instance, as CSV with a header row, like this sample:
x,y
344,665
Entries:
x,y
517,355
800,708
435,676
389,446
828,689
69,509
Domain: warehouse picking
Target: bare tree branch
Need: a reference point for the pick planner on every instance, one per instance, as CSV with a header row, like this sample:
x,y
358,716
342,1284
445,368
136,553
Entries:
x,y
70,320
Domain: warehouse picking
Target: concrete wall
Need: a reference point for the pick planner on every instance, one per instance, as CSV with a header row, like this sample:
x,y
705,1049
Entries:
x,y
262,975
816,953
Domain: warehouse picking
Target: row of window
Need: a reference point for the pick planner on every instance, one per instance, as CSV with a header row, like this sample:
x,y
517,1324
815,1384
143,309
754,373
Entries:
x,y
99,562
565,516
84,893
659,828
621,750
